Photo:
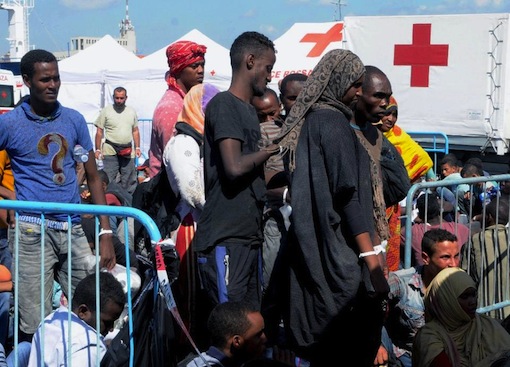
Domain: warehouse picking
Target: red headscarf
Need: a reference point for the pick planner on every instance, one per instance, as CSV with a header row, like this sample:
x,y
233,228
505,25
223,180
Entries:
x,y
179,55
182,54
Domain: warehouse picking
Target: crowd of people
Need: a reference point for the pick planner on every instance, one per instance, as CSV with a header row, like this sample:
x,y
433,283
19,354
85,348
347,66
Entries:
x,y
285,211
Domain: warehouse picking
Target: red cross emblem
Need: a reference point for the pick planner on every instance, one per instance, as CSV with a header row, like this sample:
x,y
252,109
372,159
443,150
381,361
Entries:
x,y
421,55
322,40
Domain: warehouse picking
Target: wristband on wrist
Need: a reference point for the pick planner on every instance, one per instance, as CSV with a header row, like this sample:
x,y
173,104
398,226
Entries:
x,y
137,148
376,251
98,150
104,231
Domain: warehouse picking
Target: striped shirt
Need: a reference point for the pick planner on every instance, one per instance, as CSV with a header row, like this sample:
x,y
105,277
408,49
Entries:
x,y
487,261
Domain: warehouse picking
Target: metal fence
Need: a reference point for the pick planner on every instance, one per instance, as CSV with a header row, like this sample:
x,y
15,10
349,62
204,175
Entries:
x,y
69,209
489,188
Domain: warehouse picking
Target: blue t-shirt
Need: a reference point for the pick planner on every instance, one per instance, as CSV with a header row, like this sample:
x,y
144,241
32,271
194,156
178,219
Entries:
x,y
41,153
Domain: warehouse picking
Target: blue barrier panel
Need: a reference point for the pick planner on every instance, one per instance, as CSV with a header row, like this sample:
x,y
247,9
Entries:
x,y
42,208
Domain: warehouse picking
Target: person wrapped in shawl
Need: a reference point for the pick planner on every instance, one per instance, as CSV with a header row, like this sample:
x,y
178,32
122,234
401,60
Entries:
x,y
454,334
183,161
417,161
336,280
186,68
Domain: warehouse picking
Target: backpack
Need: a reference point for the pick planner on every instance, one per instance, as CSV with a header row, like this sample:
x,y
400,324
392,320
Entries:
x,y
154,332
156,198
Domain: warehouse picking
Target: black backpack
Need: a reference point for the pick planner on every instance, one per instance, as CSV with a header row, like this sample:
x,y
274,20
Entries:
x,y
154,332
156,198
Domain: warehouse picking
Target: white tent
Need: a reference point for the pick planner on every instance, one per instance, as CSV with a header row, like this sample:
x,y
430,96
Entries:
x,y
217,60
83,75
90,76
145,81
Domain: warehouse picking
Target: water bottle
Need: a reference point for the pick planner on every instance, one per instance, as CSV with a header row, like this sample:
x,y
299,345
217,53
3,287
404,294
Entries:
x,y
80,154
99,163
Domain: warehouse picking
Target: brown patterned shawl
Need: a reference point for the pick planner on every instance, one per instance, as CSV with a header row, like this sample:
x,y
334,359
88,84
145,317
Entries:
x,y
324,88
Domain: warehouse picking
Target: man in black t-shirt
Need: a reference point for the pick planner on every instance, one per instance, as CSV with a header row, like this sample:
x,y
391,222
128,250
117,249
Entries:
x,y
229,232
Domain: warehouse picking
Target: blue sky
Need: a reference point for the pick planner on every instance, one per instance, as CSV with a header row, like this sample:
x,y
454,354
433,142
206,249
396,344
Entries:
x,y
159,22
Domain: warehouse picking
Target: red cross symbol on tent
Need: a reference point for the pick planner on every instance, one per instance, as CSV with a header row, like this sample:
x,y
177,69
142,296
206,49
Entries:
x,y
322,40
421,55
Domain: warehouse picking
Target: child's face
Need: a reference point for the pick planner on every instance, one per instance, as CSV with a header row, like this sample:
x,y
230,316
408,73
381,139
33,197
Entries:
x,y
447,169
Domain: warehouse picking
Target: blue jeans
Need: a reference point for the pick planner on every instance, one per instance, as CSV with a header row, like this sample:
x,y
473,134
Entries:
x,y
5,253
55,262
404,360
5,304
23,351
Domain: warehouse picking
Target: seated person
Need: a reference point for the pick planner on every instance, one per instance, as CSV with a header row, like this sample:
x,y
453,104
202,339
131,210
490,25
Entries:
x,y
23,351
236,332
429,215
486,259
85,345
450,167
454,334
450,170
407,289
473,197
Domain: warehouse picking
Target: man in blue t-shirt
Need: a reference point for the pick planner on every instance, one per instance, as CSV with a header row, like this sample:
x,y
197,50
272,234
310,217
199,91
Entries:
x,y
39,137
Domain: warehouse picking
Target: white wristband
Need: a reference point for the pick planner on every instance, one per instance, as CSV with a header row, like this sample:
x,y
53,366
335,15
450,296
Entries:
x,y
104,231
285,195
377,250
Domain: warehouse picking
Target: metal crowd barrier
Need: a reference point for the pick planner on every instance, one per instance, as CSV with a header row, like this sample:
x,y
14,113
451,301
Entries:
x,y
96,210
432,186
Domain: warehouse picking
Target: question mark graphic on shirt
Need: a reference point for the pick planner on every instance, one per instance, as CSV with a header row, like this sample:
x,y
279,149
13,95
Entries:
x,y
58,159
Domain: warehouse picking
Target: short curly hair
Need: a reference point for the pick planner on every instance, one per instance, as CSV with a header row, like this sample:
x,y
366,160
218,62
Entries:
x,y
248,42
228,319
31,58
110,289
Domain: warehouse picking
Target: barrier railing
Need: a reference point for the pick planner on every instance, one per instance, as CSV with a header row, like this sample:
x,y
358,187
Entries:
x,y
69,209
482,182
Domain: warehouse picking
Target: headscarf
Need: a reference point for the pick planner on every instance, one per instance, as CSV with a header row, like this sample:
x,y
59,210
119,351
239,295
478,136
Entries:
x,y
324,88
416,159
181,54
195,101
466,341
392,106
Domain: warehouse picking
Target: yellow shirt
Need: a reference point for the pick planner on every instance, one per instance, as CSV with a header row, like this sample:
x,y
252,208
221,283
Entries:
x,y
6,177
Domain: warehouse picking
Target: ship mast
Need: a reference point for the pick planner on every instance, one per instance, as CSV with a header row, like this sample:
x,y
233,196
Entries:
x,y
125,24
127,32
19,35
